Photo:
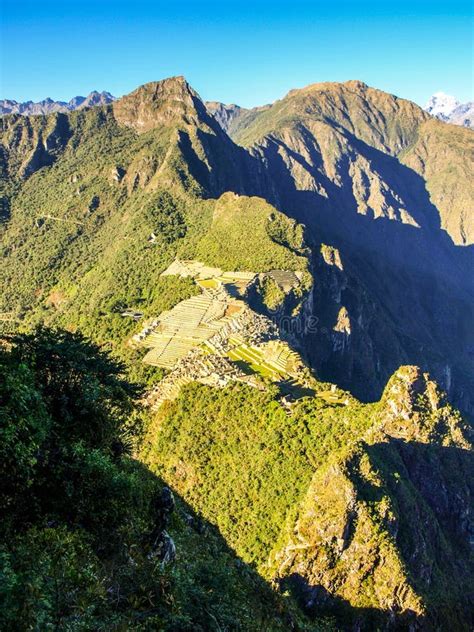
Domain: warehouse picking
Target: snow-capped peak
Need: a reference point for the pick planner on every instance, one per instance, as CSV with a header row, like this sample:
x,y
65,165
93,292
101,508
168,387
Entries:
x,y
441,104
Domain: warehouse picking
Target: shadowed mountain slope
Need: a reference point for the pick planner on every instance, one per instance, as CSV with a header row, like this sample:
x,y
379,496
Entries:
x,y
387,521
375,177
232,117
361,511
90,539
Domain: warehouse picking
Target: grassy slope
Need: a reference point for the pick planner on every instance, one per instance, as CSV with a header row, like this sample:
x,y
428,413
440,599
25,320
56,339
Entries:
x,y
248,234
310,473
443,155
268,458
376,117
236,457
324,135
82,521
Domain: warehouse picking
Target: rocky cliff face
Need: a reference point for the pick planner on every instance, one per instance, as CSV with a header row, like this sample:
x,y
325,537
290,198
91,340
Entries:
x,y
31,143
379,119
388,526
225,115
159,104
232,117
351,335
337,139
442,156
197,141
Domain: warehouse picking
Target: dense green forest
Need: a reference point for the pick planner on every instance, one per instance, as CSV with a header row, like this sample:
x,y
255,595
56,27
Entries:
x,y
90,538
268,454
326,493
77,239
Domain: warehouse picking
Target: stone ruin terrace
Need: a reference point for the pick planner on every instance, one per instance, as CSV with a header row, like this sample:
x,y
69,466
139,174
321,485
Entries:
x,y
215,337
193,321
213,370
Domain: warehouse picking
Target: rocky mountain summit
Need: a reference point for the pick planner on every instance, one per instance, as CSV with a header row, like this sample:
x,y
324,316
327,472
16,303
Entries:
x,y
225,114
48,106
363,169
232,117
372,524
161,103
441,105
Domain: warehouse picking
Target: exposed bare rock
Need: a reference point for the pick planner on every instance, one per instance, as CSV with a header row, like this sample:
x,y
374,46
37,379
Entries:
x,y
444,156
159,103
415,409
331,256
225,114
117,174
32,143
232,117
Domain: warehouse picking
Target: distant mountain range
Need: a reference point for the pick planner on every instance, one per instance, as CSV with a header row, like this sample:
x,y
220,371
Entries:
x,y
47,106
231,117
447,108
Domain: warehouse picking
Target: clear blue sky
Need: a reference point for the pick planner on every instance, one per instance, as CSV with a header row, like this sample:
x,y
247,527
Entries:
x,y
235,51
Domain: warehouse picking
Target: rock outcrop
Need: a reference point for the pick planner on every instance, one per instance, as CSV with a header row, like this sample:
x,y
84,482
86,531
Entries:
x,y
158,104
387,527
377,178
29,144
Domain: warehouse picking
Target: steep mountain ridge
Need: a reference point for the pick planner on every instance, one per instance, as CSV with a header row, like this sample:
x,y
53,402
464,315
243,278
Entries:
x,y
361,511
214,162
384,121
232,117
383,187
225,114
363,170
356,538
324,122
159,103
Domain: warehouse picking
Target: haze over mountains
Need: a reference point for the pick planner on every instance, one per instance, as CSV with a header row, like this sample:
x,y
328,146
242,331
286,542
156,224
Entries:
x,y
352,491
